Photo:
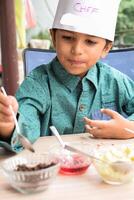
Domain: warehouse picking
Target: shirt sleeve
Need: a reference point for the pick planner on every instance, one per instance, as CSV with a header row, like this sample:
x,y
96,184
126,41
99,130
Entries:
x,y
33,98
128,93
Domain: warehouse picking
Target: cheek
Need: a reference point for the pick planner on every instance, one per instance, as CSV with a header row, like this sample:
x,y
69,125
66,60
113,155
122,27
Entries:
x,y
62,53
92,58
96,54
61,58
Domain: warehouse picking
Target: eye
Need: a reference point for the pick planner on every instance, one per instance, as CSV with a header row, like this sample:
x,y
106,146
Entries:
x,y
67,37
91,42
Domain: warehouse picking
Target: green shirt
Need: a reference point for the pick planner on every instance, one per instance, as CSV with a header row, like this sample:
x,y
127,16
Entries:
x,y
50,96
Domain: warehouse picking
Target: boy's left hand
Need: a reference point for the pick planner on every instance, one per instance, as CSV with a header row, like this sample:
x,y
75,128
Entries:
x,y
113,128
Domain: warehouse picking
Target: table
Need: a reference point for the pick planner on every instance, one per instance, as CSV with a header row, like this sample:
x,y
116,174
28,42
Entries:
x,y
80,187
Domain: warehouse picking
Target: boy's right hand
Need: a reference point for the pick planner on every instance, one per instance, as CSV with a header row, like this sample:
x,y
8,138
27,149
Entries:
x,y
6,118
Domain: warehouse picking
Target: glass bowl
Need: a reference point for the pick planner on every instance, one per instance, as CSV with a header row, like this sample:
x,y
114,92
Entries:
x,y
72,163
110,154
30,173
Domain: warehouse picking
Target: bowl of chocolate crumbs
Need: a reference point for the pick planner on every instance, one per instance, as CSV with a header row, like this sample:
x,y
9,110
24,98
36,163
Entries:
x,y
30,173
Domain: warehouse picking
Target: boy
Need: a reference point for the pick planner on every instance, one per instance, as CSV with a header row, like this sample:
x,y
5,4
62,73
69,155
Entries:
x,y
74,85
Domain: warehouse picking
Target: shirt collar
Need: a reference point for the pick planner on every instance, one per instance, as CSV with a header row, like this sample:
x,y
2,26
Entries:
x,y
71,81
92,75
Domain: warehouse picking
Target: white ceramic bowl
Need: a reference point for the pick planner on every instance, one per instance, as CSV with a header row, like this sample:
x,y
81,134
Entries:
x,y
111,154
34,180
70,162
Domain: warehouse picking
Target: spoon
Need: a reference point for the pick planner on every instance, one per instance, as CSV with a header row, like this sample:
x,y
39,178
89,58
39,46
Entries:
x,y
120,166
129,130
24,141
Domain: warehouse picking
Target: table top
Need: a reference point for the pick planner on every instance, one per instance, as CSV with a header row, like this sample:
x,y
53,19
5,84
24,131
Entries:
x,y
81,187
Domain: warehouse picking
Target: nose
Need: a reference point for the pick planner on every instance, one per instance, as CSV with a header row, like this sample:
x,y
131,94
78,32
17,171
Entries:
x,y
77,48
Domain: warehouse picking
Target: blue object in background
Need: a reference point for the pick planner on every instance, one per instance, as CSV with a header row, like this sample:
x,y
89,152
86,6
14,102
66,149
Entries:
x,y
121,59
33,57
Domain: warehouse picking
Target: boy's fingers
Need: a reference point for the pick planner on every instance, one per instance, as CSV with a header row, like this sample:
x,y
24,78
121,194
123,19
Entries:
x,y
6,119
94,132
5,100
5,110
95,123
113,114
88,129
14,103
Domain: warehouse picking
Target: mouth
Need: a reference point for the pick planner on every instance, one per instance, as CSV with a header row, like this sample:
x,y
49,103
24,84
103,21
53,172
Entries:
x,y
76,62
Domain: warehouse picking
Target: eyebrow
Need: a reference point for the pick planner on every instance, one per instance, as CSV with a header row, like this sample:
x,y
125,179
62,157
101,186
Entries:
x,y
72,32
67,31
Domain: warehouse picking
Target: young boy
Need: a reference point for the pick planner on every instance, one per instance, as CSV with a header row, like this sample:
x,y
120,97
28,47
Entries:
x,y
72,89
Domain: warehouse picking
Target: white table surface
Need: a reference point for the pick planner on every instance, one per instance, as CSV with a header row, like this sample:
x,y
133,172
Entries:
x,y
88,186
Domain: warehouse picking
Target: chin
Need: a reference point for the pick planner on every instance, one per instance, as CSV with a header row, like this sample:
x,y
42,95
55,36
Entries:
x,y
77,74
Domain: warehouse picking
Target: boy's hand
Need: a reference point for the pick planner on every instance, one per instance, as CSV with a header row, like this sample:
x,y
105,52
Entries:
x,y
113,128
6,118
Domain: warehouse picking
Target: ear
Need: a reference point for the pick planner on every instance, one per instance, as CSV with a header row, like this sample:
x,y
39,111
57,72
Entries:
x,y
53,36
106,49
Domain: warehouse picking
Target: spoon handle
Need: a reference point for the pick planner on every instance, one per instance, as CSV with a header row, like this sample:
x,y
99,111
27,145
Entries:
x,y
129,130
75,150
13,113
55,132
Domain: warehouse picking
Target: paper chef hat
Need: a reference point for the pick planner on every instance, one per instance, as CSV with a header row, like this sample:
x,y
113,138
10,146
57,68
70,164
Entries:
x,y
92,17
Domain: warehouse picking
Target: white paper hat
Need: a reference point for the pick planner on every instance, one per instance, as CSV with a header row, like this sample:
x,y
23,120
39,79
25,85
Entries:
x,y
92,17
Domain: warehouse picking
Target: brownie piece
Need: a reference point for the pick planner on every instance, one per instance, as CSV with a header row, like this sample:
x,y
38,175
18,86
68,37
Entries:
x,y
25,167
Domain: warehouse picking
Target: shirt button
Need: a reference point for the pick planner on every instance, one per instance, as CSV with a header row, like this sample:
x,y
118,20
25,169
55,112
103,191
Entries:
x,y
81,107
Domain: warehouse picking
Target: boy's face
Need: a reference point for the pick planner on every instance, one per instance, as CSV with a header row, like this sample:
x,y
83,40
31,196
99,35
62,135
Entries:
x,y
78,52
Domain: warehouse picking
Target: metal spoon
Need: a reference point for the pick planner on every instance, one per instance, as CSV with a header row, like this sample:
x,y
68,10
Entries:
x,y
120,166
24,141
129,130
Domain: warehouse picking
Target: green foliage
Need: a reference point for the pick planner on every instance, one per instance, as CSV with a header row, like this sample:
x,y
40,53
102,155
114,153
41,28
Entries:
x,y
125,23
43,35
